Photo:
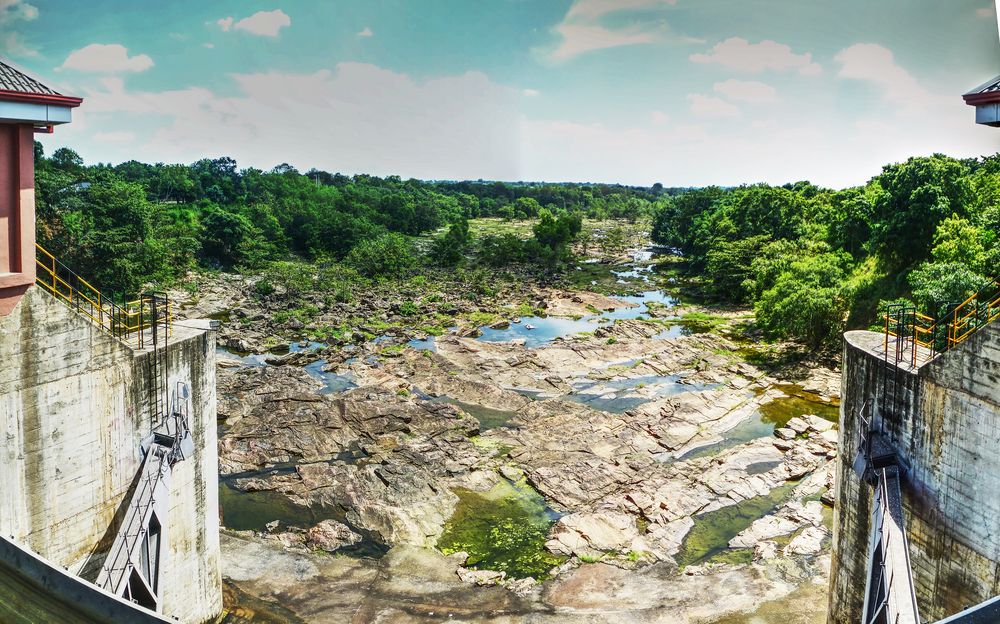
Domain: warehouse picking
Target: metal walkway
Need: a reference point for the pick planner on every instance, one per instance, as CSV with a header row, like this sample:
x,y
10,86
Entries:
x,y
133,565
889,594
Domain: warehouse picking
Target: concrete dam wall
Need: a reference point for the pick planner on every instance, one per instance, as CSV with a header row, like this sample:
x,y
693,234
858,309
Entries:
x,y
73,410
943,420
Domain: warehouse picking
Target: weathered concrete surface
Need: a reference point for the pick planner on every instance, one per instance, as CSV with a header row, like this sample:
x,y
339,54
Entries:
x,y
32,590
945,422
72,414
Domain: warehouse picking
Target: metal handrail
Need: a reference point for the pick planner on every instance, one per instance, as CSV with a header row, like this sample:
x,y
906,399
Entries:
x,y
913,330
126,322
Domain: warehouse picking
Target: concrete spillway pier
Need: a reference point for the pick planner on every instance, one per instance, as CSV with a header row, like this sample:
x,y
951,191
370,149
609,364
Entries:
x,y
943,419
73,413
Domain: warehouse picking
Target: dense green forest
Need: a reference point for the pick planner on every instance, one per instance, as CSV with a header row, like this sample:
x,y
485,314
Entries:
x,y
127,225
813,260
810,260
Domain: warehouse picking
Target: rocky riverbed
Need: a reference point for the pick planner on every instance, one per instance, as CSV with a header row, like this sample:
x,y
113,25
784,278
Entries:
x,y
605,464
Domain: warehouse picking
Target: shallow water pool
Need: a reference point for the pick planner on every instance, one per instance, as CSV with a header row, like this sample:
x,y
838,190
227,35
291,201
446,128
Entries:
x,y
504,529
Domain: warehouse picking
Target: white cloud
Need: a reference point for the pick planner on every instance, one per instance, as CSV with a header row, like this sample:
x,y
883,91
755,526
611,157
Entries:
x,y
208,45
365,32
659,117
578,39
356,118
119,136
592,9
986,12
739,54
530,92
876,65
750,91
263,23
107,58
712,107
777,150
584,29
13,44
11,10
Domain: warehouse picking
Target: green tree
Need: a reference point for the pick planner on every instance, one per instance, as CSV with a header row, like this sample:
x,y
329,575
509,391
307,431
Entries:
x,y
388,256
449,249
938,283
916,196
729,266
958,241
806,302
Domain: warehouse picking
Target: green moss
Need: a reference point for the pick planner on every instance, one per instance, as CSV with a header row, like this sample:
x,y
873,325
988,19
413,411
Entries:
x,y
526,309
799,403
504,529
702,322
732,556
591,559
491,445
709,538
479,319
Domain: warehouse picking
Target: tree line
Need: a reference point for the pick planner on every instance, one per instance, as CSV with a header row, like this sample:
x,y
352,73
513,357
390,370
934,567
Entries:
x,y
813,261
135,223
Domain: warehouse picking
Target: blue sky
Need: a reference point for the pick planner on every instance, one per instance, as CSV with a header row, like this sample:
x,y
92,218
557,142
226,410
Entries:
x,y
682,92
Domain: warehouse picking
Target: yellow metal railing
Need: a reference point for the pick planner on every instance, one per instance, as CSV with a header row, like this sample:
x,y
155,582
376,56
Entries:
x,y
914,331
973,313
128,321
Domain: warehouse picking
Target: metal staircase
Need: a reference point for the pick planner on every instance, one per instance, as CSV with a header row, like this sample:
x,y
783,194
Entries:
x,y
889,594
133,565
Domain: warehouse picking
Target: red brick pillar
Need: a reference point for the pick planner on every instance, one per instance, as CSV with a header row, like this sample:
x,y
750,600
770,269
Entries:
x,y
17,213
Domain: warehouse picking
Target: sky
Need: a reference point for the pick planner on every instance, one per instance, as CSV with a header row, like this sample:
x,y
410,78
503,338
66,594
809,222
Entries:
x,y
681,92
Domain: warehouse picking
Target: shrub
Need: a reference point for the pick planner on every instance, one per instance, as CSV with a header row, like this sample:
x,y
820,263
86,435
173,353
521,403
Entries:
x,y
387,256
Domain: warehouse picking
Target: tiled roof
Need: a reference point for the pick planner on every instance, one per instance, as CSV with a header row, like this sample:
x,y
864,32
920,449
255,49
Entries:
x,y
14,80
992,87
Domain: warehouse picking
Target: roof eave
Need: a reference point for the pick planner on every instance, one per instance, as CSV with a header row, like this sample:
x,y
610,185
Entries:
x,y
40,98
978,99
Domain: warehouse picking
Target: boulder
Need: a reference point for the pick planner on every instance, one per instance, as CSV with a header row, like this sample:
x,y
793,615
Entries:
x,y
808,542
785,433
592,534
480,577
329,535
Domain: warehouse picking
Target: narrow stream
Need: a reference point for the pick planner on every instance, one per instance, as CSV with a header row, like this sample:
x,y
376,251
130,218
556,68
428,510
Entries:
x,y
332,382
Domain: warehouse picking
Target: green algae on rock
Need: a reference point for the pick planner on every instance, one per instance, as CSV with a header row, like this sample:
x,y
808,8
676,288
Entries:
x,y
709,538
797,403
504,529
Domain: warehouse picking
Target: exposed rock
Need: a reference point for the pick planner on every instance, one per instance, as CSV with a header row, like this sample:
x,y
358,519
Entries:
x,y
629,483
329,535
592,534
480,577
808,542
785,433
790,518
